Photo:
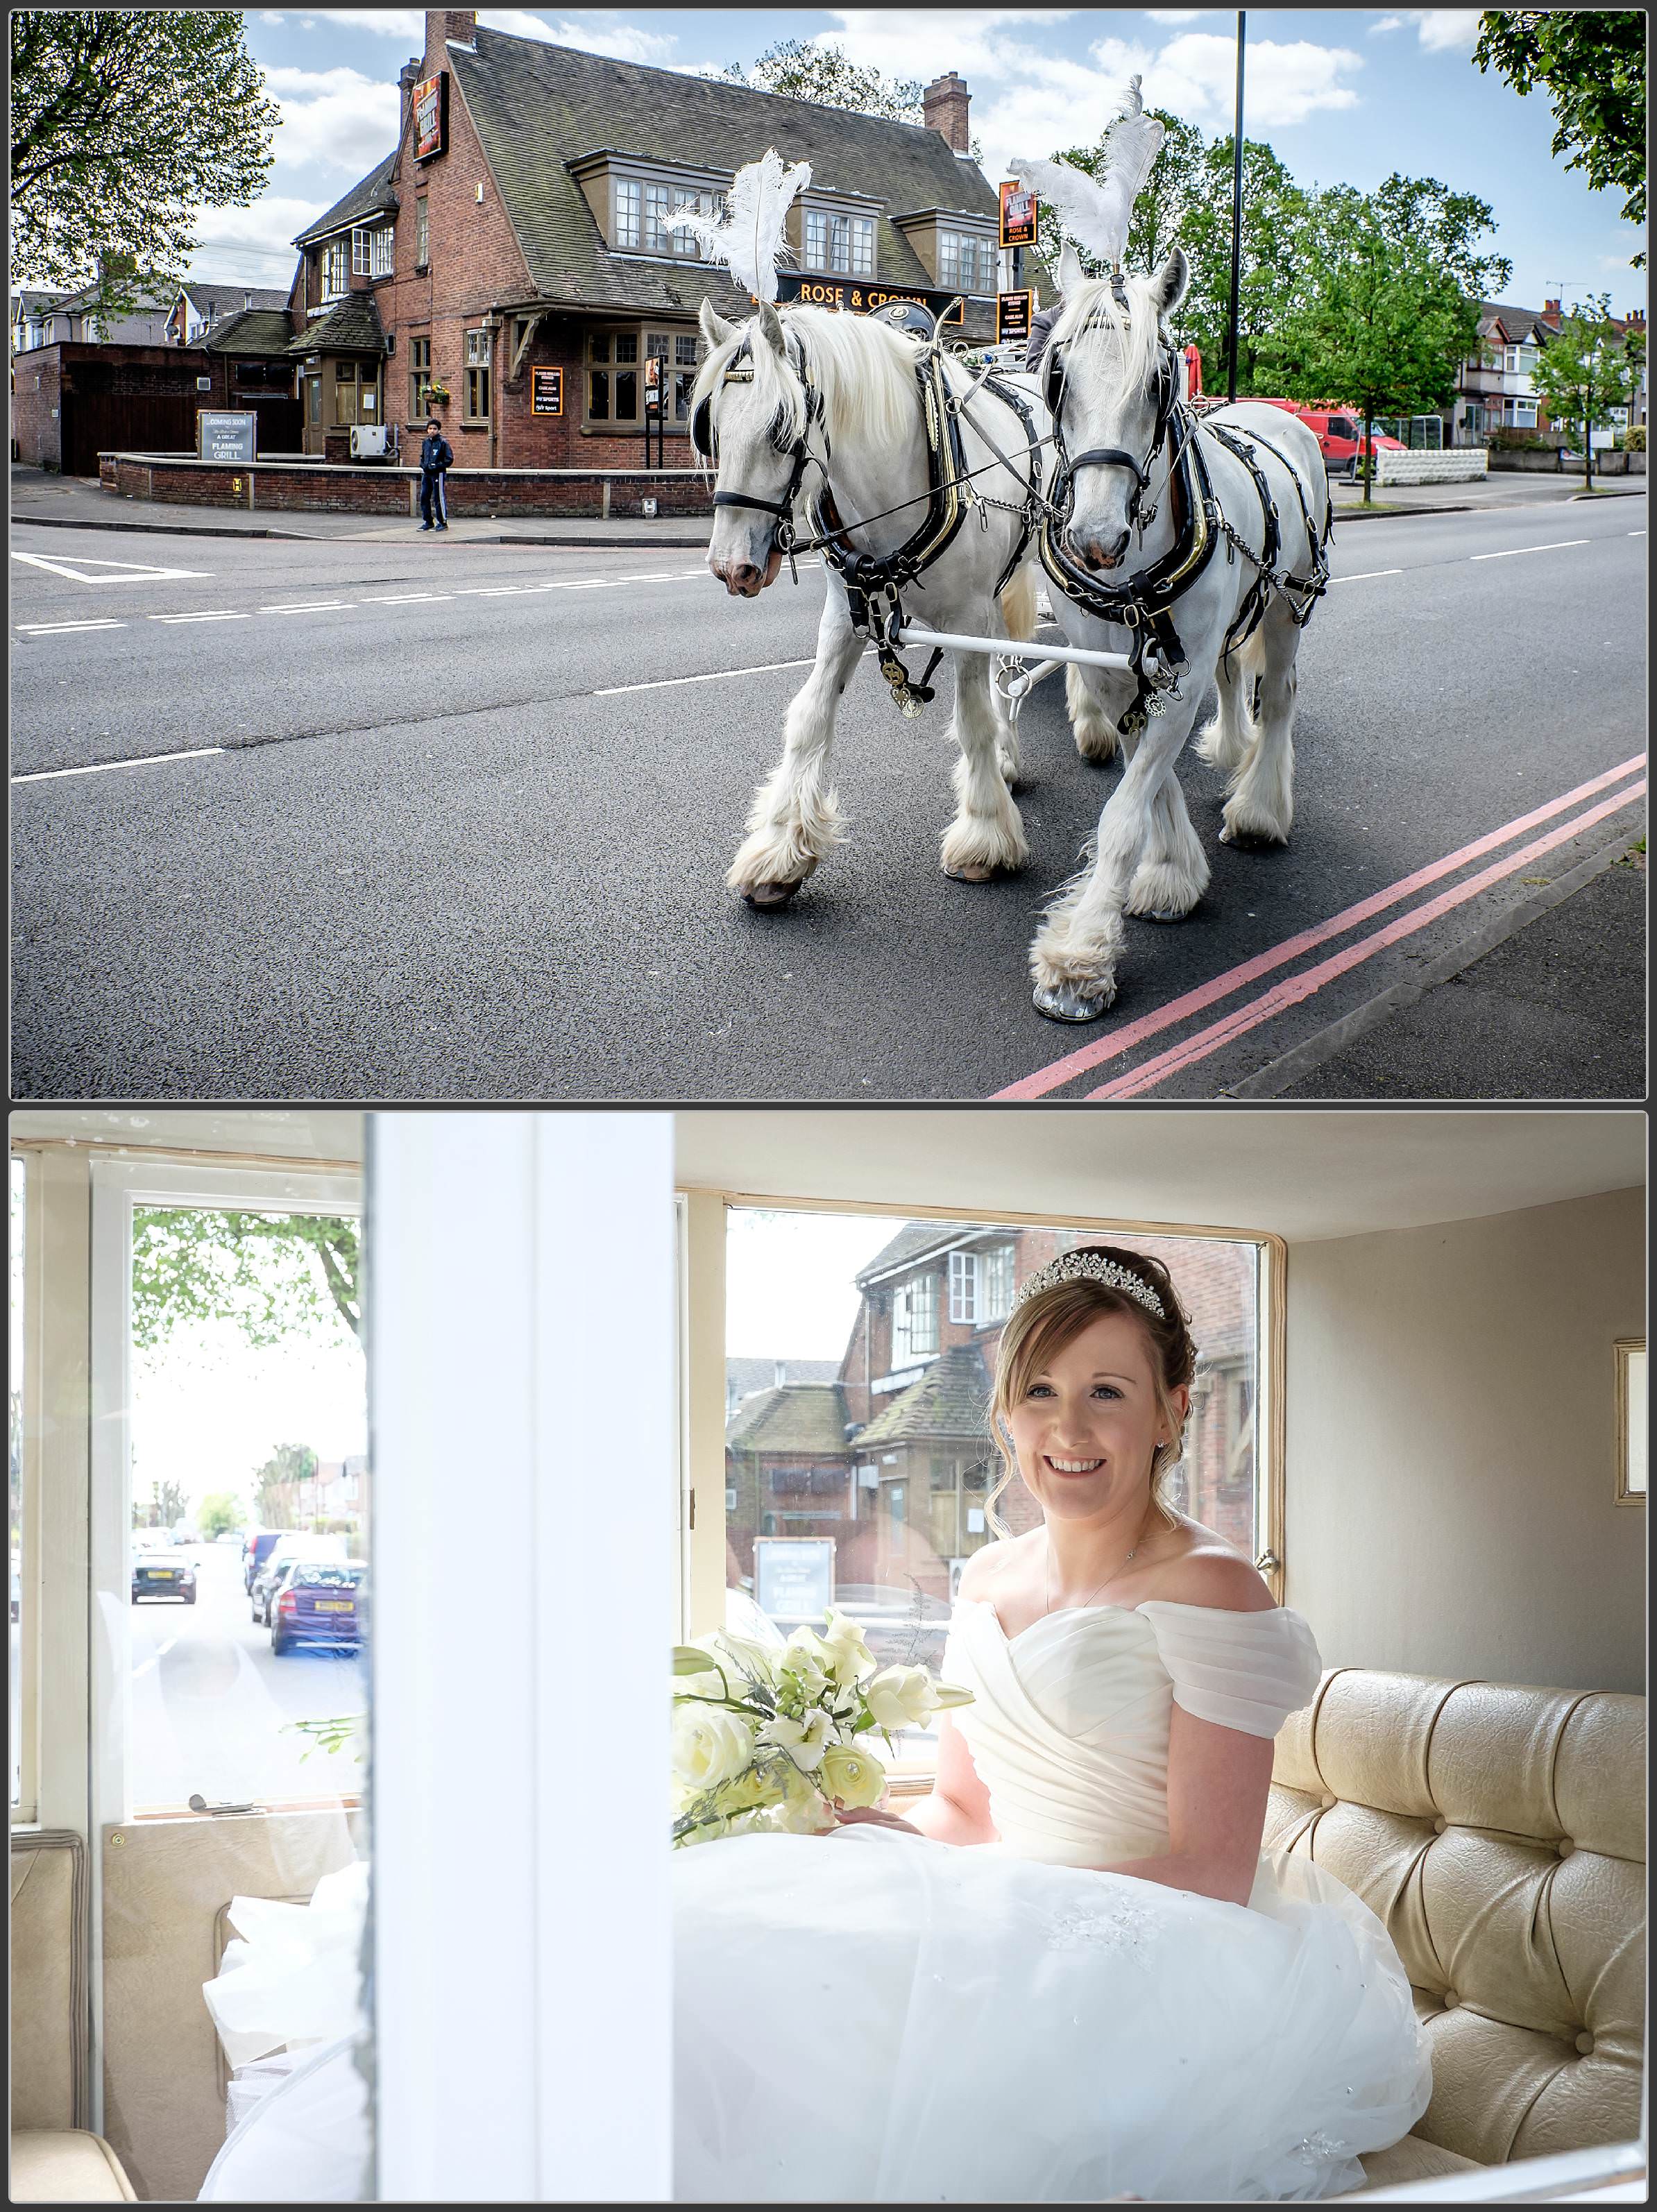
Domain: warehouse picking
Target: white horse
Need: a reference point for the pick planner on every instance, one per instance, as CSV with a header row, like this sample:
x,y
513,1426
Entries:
x,y
858,428
1107,372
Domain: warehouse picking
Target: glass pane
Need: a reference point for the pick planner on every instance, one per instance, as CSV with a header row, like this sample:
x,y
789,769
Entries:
x,y
248,1449
598,394
626,345
22,1624
626,395
861,1358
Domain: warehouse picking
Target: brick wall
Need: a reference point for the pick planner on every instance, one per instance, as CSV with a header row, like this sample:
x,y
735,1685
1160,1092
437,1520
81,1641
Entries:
x,y
323,487
36,398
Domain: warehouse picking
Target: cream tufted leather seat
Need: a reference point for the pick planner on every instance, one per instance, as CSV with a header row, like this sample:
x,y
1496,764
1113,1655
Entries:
x,y
1498,1832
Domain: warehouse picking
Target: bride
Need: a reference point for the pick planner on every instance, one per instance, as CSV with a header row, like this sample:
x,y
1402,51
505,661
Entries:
x,y
1072,1974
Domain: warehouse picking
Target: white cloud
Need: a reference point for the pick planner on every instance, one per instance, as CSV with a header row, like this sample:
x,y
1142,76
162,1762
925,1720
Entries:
x,y
253,244
336,118
602,32
1196,77
1443,30
404,23
1178,14
1386,23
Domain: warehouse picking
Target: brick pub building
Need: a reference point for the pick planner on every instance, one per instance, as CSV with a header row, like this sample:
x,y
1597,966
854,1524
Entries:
x,y
511,253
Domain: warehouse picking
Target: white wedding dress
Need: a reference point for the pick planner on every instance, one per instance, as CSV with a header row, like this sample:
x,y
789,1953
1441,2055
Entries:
x,y
875,2017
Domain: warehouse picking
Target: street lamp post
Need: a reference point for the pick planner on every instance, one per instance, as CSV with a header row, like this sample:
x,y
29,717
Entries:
x,y
1236,214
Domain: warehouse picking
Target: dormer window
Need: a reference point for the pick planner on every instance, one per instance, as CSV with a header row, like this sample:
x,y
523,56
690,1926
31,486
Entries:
x,y
966,260
641,206
371,251
843,245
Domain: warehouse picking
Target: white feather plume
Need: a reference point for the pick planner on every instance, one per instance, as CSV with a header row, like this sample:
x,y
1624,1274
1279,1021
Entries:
x,y
748,239
1096,210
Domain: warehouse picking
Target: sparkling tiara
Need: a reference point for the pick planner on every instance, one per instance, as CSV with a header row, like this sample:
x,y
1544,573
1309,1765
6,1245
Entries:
x,y
1071,1267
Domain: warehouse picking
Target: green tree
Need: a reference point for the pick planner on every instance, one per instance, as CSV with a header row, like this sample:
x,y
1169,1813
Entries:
x,y
1588,367
1593,64
1380,323
217,1513
1408,208
801,69
276,1275
276,1485
166,1503
125,123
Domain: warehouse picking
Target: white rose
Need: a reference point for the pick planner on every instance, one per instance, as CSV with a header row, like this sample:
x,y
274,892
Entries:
x,y
711,1745
809,1661
805,1740
849,1655
901,1696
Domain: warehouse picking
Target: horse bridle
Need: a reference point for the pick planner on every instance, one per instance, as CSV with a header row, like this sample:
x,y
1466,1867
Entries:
x,y
1108,457
799,451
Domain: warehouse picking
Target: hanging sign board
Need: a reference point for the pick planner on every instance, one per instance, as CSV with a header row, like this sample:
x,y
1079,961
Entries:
x,y
225,437
431,115
546,392
653,384
1019,208
853,297
794,1576
1012,318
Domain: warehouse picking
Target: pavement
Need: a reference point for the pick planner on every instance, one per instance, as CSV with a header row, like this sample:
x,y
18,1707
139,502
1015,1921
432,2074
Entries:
x,y
426,819
82,503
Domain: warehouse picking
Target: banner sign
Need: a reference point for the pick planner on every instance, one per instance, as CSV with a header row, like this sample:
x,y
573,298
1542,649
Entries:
x,y
431,115
653,384
225,437
1013,311
851,296
546,392
1019,209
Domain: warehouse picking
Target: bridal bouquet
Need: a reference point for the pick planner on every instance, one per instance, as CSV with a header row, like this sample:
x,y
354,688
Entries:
x,y
775,1740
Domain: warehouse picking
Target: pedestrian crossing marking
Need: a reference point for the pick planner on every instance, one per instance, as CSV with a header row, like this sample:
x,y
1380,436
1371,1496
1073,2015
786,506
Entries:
x,y
132,572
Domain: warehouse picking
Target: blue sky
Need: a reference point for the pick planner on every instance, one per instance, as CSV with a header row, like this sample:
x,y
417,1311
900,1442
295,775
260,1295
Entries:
x,y
1344,95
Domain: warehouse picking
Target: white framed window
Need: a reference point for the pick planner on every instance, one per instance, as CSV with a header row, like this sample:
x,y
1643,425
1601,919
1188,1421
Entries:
x,y
914,1319
995,1272
963,1286
336,268
844,245
371,251
477,377
967,259
626,228
422,232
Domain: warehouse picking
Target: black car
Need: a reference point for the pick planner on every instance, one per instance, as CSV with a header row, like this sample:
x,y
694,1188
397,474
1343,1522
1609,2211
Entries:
x,y
319,1603
163,1574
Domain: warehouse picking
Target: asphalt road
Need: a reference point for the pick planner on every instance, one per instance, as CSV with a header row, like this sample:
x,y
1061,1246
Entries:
x,y
446,820
210,1701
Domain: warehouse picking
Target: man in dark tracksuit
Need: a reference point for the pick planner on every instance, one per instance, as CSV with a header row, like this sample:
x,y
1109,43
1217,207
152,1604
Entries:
x,y
1041,327
436,455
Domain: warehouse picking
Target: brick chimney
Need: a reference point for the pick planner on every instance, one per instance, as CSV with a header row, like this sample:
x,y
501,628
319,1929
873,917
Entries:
x,y
1552,310
407,78
946,100
442,24
1635,318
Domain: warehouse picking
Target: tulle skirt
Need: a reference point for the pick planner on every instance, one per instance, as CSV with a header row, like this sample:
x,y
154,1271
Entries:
x,y
874,2017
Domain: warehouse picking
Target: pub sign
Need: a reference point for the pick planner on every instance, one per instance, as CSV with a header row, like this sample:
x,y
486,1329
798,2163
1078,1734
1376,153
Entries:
x,y
1019,208
225,437
431,115
1012,318
853,297
546,392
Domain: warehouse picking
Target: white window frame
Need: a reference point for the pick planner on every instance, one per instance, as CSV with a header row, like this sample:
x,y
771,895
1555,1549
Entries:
x,y
914,1316
372,249
423,231
995,1284
963,1287
825,230
951,243
336,269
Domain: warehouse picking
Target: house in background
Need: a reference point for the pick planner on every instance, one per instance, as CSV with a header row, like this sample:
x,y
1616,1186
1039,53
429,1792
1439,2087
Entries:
x,y
31,319
743,1377
199,306
1495,388
787,1473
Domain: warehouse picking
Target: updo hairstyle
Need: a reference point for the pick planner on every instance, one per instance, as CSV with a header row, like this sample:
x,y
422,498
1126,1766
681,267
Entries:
x,y
1042,1326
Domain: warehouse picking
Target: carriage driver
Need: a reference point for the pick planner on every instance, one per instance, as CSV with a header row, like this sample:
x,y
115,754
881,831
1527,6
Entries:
x,y
436,456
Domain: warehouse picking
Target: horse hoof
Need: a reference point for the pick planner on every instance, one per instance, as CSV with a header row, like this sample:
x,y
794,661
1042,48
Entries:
x,y
1070,1004
973,874
1166,914
763,896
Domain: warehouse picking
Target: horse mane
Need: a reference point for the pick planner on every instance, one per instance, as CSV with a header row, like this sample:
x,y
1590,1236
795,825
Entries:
x,y
864,370
1093,311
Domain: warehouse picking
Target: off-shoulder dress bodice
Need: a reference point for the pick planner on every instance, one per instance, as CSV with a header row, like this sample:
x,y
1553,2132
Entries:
x,y
1069,1726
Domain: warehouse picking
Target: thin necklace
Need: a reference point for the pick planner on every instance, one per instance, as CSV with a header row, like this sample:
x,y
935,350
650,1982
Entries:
x,y
1109,1574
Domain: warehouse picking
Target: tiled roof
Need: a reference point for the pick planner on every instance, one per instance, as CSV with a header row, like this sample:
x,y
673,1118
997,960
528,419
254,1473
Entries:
x,y
745,1376
537,106
31,303
256,330
1522,324
793,1417
215,299
350,325
373,195
950,1399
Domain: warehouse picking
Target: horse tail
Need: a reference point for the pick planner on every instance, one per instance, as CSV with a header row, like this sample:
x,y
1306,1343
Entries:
x,y
1017,602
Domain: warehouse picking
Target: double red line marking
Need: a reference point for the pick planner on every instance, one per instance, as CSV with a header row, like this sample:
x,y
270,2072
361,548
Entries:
x,y
1295,988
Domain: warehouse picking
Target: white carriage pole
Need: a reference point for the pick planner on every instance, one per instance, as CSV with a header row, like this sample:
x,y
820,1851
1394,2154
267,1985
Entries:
x,y
1008,648
521,1359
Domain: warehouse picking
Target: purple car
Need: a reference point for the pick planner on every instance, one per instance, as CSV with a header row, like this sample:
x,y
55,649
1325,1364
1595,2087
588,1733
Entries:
x,y
321,1603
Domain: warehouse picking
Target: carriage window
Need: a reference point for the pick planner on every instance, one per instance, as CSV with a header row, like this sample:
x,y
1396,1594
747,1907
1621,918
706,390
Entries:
x,y
860,1354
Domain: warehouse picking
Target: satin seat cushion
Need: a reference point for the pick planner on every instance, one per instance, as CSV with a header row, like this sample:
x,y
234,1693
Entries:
x,y
66,2165
1415,2159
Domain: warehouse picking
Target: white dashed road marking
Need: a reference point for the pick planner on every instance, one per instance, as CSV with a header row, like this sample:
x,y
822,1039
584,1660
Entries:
x,y
404,599
1367,576
715,676
310,607
208,614
98,767
58,630
1556,546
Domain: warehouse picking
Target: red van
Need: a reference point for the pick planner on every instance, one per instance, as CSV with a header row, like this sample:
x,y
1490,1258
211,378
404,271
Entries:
x,y
1338,434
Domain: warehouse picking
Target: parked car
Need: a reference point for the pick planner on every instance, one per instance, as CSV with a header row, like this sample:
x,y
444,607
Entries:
x,y
257,1547
260,1543
319,1603
291,1545
229,1536
1338,435
158,1573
